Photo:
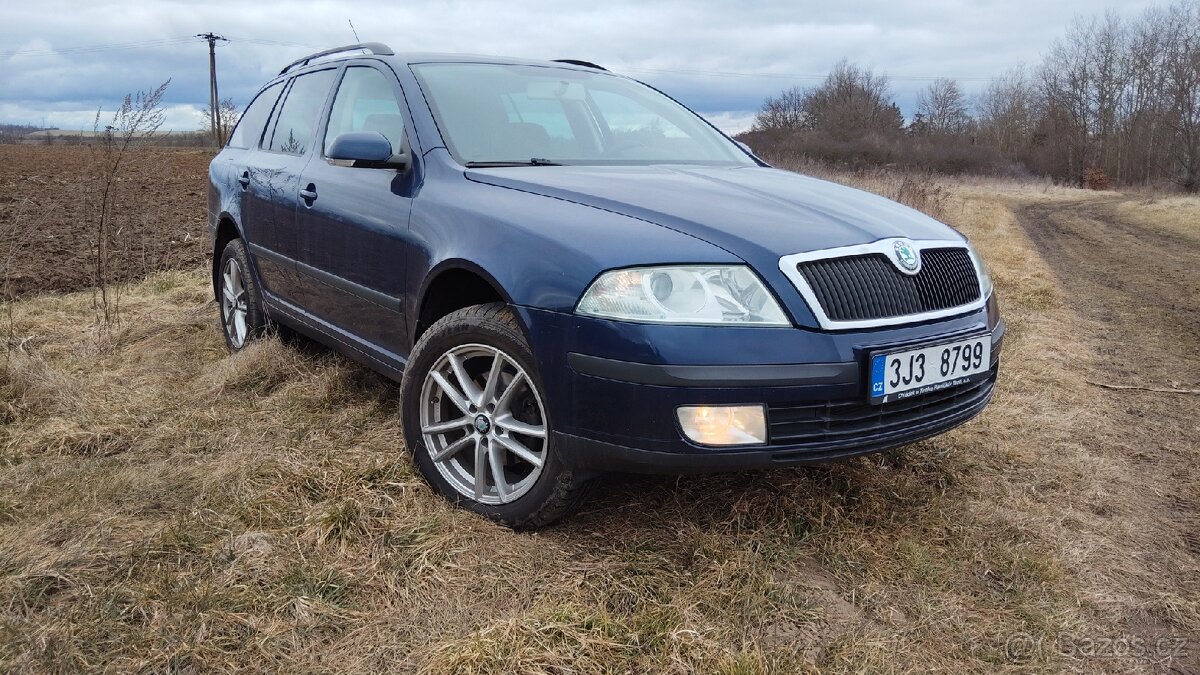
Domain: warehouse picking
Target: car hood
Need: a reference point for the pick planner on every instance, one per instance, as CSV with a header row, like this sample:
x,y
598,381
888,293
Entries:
x,y
756,213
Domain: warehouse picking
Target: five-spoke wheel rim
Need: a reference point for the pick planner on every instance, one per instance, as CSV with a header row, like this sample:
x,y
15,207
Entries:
x,y
483,424
233,302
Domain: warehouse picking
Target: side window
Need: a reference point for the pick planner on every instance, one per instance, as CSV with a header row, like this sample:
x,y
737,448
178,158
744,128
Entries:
x,y
301,112
249,129
366,101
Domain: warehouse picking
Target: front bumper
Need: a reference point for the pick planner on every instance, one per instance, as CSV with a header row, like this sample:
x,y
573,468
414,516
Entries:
x,y
618,414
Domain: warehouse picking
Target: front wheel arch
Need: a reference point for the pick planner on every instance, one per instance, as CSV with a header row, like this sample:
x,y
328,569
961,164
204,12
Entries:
x,y
451,286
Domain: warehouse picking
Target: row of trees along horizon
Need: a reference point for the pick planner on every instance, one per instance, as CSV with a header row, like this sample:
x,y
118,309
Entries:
x,y
1114,100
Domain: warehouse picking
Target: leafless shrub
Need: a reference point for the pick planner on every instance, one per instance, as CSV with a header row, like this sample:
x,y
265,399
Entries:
x,y
944,154
1095,179
137,120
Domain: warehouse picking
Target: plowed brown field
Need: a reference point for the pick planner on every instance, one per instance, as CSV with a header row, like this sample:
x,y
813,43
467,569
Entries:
x,y
49,200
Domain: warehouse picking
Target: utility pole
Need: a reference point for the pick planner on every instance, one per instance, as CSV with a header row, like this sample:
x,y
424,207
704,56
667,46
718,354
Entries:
x,y
213,101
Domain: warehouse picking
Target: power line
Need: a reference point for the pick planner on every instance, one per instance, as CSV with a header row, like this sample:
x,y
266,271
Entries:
x,y
273,43
92,49
141,44
791,76
170,41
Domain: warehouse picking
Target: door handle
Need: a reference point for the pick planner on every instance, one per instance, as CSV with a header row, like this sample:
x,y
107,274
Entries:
x,y
244,179
309,194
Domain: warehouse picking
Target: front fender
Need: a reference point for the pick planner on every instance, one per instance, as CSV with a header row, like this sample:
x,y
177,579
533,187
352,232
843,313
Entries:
x,y
538,251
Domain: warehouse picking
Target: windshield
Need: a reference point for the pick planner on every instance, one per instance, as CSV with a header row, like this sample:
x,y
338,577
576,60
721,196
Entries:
x,y
535,115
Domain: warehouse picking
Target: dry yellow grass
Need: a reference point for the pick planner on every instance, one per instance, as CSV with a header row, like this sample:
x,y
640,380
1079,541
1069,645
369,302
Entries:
x,y
165,506
1174,214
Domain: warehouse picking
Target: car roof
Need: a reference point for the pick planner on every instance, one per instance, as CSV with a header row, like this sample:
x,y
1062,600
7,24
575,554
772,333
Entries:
x,y
382,52
435,57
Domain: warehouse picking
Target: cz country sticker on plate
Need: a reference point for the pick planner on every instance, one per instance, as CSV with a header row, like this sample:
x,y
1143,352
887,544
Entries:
x,y
901,374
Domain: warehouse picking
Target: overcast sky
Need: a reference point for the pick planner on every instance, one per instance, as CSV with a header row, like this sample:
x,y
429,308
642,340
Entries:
x,y
60,61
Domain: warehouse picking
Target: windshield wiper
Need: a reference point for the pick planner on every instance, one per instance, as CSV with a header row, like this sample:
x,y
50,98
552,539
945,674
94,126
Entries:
x,y
533,161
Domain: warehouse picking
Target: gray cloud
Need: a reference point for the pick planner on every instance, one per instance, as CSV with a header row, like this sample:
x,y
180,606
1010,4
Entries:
x,y
719,56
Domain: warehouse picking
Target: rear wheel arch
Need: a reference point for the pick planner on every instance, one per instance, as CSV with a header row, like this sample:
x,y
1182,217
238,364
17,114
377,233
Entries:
x,y
227,231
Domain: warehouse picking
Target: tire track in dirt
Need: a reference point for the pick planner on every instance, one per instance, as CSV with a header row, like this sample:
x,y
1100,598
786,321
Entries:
x,y
1138,289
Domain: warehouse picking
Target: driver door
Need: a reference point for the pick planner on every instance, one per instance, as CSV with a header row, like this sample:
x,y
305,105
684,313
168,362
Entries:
x,y
353,232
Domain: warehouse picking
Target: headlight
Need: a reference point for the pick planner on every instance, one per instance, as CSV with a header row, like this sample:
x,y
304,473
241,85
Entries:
x,y
689,294
985,280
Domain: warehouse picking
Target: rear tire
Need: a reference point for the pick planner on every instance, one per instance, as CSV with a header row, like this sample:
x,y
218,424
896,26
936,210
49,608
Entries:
x,y
476,423
243,318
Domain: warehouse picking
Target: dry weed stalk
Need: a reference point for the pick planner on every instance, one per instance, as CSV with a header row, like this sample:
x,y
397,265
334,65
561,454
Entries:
x,y
14,238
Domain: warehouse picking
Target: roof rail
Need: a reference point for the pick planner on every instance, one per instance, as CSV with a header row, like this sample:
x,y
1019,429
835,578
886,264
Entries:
x,y
376,48
585,64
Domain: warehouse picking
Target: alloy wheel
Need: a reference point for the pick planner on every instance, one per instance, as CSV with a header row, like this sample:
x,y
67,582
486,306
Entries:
x,y
234,302
483,424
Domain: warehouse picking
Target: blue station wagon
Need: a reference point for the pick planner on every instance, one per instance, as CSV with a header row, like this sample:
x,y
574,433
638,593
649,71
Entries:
x,y
569,273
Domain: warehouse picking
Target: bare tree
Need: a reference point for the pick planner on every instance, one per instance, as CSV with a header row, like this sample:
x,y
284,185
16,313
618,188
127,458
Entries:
x,y
1008,110
782,112
943,108
1115,98
1143,115
852,102
1182,81
227,117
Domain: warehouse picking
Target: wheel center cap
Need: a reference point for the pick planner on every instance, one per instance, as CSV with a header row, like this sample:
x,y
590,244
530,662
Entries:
x,y
483,424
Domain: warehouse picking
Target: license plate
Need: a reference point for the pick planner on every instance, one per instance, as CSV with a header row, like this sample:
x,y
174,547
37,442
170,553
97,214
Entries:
x,y
912,372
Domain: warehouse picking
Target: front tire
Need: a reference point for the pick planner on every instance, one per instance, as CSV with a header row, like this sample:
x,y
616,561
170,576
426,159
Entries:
x,y
476,421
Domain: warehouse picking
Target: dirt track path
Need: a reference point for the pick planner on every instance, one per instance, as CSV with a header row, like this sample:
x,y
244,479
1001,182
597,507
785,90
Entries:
x,y
1138,289
1140,285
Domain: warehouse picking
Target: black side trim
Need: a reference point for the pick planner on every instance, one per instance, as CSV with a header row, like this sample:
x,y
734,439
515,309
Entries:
x,y
388,364
349,287
715,376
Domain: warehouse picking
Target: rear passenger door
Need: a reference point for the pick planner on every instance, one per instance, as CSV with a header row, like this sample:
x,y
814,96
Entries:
x,y
354,234
274,181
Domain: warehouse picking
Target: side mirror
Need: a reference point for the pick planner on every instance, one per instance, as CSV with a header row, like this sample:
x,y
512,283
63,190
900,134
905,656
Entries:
x,y
365,149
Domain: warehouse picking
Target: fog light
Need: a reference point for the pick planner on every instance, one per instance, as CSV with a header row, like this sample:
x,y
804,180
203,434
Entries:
x,y
724,424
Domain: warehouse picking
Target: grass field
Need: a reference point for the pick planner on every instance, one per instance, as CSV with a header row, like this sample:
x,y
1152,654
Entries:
x,y
164,506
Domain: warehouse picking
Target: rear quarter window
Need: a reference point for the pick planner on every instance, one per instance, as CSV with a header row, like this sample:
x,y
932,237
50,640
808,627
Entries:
x,y
250,128
301,112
